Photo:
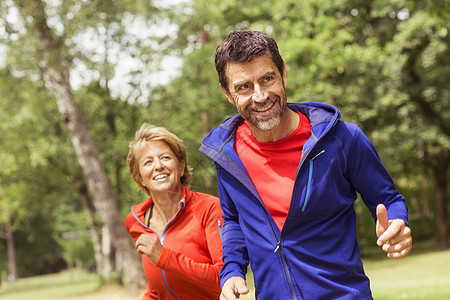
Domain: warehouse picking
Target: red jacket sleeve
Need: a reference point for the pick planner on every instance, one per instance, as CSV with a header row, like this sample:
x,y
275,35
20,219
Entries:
x,y
150,294
199,274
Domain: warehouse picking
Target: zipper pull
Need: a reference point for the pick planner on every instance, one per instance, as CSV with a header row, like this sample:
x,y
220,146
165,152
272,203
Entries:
x,y
320,153
277,248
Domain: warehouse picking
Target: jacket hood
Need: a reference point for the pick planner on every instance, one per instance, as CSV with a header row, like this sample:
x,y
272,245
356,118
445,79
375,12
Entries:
x,y
321,116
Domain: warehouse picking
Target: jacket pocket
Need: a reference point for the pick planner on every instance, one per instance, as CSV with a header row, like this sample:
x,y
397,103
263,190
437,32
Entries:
x,y
309,182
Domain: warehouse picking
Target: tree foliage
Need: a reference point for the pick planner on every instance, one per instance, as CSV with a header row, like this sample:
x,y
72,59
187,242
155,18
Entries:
x,y
384,64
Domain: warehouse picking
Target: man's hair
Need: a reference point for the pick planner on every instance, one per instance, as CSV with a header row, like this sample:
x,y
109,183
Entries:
x,y
243,46
149,133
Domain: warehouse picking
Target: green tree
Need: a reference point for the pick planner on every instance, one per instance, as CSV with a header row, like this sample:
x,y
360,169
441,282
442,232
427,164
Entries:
x,y
30,176
382,63
52,49
50,39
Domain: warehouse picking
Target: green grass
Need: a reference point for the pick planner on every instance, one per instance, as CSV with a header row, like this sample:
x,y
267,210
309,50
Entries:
x,y
421,275
51,287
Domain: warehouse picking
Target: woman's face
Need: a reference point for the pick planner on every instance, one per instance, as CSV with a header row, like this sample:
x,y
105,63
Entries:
x,y
159,168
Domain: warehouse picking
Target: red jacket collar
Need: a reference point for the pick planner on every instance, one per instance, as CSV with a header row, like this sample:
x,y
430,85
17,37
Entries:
x,y
141,208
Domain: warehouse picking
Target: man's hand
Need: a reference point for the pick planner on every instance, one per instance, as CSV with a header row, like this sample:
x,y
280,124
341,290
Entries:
x,y
393,235
233,287
149,245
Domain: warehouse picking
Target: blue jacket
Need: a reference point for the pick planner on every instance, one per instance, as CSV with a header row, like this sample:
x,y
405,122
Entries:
x,y
316,255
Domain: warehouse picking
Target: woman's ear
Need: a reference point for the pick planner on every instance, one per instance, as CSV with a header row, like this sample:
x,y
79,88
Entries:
x,y
182,168
140,181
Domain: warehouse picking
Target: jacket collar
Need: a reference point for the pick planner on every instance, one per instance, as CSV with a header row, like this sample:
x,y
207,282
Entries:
x,y
140,209
321,116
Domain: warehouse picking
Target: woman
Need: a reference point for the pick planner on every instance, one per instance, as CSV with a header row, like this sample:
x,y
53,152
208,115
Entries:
x,y
177,231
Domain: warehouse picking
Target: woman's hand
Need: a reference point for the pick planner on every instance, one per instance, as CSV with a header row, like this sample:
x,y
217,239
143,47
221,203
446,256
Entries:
x,y
149,245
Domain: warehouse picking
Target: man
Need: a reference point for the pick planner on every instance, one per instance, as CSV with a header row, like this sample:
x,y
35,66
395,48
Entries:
x,y
288,174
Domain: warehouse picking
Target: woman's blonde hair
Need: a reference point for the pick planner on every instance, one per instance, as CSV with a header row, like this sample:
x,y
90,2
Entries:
x,y
149,133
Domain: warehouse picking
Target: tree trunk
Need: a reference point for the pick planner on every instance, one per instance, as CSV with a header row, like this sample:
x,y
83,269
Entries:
x,y
204,118
97,183
11,250
102,261
441,169
106,253
426,199
96,180
421,208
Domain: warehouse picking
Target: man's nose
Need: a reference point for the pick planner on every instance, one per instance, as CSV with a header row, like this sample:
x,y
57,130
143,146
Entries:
x,y
259,95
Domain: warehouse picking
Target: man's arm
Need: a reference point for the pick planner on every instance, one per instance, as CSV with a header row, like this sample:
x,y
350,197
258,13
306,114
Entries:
x,y
235,255
371,179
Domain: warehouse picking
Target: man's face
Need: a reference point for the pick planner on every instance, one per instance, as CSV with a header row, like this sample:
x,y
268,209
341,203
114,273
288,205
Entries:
x,y
258,90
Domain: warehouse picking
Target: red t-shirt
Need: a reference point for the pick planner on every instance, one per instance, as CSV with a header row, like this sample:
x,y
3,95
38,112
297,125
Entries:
x,y
272,166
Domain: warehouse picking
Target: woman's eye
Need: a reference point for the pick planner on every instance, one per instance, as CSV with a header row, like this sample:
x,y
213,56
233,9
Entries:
x,y
147,162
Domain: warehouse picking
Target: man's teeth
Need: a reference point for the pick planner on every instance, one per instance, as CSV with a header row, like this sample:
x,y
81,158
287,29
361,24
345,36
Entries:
x,y
264,108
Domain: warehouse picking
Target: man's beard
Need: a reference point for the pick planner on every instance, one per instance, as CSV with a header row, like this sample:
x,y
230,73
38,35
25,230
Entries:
x,y
268,122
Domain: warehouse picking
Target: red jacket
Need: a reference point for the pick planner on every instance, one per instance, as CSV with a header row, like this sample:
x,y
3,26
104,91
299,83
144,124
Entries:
x,y
191,259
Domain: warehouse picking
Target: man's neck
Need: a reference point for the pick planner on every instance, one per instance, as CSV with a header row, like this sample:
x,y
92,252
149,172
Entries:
x,y
288,124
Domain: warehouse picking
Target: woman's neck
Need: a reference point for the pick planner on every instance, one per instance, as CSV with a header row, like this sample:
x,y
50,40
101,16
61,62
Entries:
x,y
165,204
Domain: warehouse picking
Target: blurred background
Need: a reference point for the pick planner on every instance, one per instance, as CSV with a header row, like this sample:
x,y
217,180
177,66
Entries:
x,y
79,77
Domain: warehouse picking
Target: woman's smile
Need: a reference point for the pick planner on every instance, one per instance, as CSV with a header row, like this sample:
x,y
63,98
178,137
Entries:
x,y
159,167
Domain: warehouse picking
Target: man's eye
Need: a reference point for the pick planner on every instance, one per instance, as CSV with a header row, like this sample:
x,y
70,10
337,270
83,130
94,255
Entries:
x,y
244,87
268,80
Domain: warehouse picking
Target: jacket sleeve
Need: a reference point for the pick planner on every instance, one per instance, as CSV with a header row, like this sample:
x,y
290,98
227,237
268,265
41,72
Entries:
x,y
235,255
371,179
150,294
204,275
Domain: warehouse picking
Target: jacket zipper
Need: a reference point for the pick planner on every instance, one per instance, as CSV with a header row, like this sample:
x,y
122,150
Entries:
x,y
310,174
286,269
161,238
278,242
279,248
166,228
